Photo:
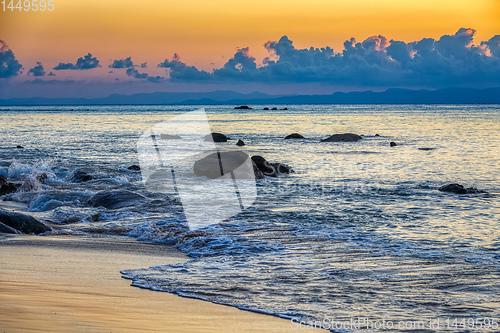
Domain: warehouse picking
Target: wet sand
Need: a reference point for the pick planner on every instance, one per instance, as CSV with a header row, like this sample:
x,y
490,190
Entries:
x,y
73,284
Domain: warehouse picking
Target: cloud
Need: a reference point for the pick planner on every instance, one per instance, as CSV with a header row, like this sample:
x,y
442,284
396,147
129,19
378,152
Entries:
x,y
37,70
375,61
179,71
9,66
122,63
83,63
143,76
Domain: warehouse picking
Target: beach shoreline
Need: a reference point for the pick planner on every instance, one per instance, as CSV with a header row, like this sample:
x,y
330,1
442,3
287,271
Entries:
x,y
74,284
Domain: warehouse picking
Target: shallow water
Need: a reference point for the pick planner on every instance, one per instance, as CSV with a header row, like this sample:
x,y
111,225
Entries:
x,y
358,231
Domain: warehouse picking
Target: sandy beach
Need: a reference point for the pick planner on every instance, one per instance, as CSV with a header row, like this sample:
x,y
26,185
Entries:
x,y
69,284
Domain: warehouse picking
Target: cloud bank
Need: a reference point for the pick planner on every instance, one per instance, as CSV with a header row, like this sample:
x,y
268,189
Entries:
x,y
9,66
83,63
376,61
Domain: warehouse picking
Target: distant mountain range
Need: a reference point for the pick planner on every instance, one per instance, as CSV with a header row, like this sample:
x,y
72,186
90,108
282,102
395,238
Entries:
x,y
390,96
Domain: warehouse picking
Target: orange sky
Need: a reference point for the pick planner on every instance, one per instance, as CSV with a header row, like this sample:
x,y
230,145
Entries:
x,y
205,32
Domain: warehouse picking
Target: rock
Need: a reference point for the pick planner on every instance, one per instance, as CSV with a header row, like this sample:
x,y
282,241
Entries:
x,y
266,109
96,217
24,223
460,189
346,137
243,107
274,109
42,178
284,109
240,143
8,230
425,148
80,177
134,167
70,220
377,134
170,137
393,144
6,187
256,171
115,199
271,169
294,136
216,137
19,147
210,166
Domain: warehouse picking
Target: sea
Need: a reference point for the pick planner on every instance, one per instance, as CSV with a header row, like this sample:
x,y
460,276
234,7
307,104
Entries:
x,y
358,238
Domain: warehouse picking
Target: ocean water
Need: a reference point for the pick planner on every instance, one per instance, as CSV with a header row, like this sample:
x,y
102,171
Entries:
x,y
358,232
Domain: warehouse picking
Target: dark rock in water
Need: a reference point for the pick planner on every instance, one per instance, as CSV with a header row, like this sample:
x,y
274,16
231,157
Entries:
x,y
24,223
377,134
294,136
284,109
170,137
460,189
134,167
216,137
240,143
274,109
80,177
218,164
8,230
346,137
42,178
96,217
256,171
243,107
115,199
271,169
19,147
6,187
393,144
70,220
266,109
424,148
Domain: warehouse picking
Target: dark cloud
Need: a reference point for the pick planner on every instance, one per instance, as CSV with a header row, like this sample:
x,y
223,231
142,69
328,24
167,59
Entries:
x,y
9,66
143,76
37,70
376,61
122,63
83,63
144,65
179,71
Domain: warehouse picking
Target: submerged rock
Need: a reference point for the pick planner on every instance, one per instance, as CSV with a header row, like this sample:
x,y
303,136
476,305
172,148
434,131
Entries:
x,y
80,177
426,148
460,189
346,137
271,169
216,137
393,144
240,143
115,199
243,107
19,147
134,167
294,136
24,223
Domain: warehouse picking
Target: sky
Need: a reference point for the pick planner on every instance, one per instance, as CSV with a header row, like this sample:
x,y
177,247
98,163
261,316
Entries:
x,y
96,48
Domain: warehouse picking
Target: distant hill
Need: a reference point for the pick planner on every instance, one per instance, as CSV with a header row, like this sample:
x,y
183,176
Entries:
x,y
390,96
